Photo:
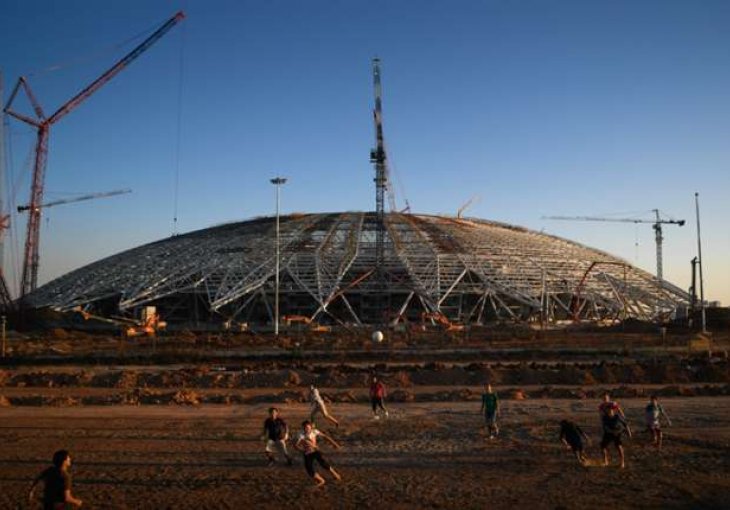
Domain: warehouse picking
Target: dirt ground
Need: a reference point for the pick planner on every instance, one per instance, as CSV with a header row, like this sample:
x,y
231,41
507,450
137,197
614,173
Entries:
x,y
426,455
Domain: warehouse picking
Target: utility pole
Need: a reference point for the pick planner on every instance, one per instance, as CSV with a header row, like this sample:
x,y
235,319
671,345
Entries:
x,y
278,182
699,255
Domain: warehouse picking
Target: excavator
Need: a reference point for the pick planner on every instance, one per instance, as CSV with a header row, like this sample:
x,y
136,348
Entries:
x,y
288,320
149,325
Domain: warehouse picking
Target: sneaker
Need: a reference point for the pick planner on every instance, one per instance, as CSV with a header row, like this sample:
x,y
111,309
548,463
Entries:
x,y
376,417
270,463
386,414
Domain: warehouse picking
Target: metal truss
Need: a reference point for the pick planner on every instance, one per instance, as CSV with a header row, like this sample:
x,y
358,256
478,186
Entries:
x,y
467,270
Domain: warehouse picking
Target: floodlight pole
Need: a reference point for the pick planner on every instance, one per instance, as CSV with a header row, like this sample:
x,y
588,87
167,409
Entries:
x,y
699,255
278,182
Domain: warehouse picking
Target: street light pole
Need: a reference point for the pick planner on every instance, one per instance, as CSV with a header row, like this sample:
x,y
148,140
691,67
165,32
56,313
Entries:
x,y
277,181
699,256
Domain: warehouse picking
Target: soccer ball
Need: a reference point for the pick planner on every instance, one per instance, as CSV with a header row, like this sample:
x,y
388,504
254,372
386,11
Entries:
x,y
377,336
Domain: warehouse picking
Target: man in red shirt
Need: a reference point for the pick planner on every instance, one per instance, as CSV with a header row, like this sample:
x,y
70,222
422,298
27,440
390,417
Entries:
x,y
377,394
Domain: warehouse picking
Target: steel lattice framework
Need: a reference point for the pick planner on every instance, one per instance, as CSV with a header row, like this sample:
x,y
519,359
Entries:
x,y
469,270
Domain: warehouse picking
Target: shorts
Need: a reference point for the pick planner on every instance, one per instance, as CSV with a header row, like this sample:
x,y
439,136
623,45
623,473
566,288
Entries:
x,y
576,446
654,425
276,445
609,438
491,418
309,459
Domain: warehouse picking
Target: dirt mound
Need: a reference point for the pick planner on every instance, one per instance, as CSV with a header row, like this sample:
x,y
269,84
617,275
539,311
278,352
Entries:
x,y
185,397
402,396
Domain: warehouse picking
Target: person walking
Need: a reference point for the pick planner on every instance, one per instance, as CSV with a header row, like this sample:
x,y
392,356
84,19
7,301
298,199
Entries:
x,y
490,409
377,397
614,427
276,433
654,412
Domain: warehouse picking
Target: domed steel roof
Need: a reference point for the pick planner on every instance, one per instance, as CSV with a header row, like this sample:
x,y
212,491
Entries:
x,y
464,269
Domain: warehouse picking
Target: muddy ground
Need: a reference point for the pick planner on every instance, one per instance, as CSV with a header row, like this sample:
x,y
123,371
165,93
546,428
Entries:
x,y
157,424
426,455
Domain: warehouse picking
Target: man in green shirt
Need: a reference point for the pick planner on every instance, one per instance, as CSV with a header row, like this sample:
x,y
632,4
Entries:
x,y
490,408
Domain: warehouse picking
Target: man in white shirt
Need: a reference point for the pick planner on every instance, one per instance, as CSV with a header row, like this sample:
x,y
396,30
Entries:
x,y
318,406
307,444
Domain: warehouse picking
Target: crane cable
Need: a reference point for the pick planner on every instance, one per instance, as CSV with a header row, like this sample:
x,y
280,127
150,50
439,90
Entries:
x,y
91,56
401,189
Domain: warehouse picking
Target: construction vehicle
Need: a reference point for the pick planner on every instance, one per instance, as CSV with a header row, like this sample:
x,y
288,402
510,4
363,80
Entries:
x,y
31,256
149,325
438,318
288,320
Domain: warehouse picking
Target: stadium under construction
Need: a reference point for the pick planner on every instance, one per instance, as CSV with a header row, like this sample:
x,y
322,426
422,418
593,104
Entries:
x,y
363,269
435,268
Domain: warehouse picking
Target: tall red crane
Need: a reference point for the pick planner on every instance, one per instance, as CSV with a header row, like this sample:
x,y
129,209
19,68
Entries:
x,y
29,280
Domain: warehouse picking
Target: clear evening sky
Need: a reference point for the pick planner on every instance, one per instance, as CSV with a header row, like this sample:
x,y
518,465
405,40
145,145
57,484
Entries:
x,y
608,108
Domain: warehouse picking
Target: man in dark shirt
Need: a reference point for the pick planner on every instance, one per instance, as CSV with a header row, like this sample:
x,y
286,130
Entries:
x,y
490,408
276,433
614,426
572,436
56,484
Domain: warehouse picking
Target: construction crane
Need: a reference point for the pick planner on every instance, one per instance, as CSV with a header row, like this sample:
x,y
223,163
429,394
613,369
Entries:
x,y
656,225
378,158
29,279
90,196
474,199
6,301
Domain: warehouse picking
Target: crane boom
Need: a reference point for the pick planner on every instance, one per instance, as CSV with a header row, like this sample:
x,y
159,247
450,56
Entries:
x,y
116,68
29,279
465,206
619,220
90,196
656,225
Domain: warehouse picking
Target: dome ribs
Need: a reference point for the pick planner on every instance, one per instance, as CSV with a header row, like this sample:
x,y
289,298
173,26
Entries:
x,y
468,269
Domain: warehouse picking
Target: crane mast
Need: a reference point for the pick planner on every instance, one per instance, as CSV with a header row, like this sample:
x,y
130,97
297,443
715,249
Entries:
x,y
378,158
29,278
6,300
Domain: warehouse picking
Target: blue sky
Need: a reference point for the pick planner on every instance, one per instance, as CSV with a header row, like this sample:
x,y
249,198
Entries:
x,y
541,108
